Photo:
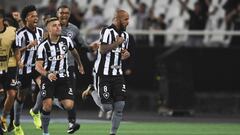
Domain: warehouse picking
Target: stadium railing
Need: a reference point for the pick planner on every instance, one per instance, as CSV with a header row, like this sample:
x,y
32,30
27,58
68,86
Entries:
x,y
152,33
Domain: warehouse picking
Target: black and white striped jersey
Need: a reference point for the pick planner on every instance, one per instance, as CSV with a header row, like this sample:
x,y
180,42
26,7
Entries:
x,y
110,63
55,55
23,37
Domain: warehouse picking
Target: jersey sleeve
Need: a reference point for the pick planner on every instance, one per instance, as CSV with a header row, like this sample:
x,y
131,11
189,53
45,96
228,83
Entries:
x,y
40,52
104,35
19,40
70,44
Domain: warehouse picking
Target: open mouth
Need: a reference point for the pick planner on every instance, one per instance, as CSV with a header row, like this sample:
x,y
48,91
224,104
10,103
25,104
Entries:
x,y
35,22
64,19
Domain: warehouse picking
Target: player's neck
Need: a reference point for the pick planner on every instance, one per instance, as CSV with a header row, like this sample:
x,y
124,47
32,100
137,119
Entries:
x,y
64,24
32,28
115,24
54,38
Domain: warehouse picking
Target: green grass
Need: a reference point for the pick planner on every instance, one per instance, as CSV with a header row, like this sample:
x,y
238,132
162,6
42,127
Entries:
x,y
142,128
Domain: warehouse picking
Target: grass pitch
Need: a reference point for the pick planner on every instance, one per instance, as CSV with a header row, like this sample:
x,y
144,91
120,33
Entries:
x,y
142,128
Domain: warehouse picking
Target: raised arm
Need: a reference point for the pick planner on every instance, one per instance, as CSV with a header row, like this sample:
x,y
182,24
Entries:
x,y
78,60
131,4
230,15
184,4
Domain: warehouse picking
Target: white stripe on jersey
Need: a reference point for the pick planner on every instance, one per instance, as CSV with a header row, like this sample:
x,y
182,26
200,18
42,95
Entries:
x,y
107,64
110,63
55,55
23,37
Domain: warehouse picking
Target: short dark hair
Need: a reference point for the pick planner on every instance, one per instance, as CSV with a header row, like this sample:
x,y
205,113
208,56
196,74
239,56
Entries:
x,y
26,10
63,6
2,13
50,20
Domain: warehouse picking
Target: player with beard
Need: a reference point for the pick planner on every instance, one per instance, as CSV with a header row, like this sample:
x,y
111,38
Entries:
x,y
110,93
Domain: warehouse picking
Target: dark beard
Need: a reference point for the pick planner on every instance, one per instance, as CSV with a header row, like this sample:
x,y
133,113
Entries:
x,y
122,28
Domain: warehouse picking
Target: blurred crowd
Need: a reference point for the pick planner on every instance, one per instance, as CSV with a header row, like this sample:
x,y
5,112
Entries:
x,y
165,15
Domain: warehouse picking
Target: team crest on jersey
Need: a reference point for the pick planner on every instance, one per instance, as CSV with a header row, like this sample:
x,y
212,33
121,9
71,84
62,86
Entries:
x,y
64,48
106,95
40,39
43,93
70,34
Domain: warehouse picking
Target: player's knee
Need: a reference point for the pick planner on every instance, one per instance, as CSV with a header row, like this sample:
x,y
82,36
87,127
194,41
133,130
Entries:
x,y
20,98
47,105
11,93
107,107
68,107
21,95
67,104
118,107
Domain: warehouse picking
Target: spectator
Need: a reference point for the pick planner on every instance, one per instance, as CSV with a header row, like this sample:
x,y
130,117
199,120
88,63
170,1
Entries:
x,y
197,21
76,16
50,9
151,20
233,17
141,15
96,20
13,18
159,40
93,22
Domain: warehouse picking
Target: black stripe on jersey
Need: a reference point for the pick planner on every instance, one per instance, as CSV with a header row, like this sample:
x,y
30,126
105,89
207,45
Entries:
x,y
57,50
65,64
64,40
125,37
101,64
102,33
110,63
40,32
35,52
26,52
103,58
120,54
48,52
20,30
112,55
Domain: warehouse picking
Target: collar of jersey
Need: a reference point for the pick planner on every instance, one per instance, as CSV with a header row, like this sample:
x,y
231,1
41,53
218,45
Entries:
x,y
33,32
115,28
49,41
